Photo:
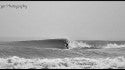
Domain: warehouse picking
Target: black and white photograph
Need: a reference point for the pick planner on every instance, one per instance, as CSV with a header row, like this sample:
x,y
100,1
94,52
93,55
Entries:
x,y
62,34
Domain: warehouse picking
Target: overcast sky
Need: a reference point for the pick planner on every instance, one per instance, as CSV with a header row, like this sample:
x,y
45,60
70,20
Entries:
x,y
84,20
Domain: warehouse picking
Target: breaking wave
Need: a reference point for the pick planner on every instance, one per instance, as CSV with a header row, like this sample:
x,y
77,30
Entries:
x,y
67,43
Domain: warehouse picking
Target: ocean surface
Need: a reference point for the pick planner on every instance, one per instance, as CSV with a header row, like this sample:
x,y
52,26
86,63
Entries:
x,y
62,48
62,54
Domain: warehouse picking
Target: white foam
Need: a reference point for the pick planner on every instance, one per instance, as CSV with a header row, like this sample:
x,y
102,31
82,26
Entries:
x,y
76,44
62,63
114,46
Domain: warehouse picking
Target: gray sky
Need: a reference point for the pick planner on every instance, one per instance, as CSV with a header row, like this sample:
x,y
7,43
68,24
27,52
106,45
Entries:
x,y
74,19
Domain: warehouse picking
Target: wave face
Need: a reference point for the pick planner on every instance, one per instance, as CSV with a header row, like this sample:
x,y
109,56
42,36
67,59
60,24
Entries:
x,y
47,43
48,48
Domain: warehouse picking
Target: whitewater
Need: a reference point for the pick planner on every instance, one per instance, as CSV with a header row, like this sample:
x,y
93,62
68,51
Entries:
x,y
75,44
65,63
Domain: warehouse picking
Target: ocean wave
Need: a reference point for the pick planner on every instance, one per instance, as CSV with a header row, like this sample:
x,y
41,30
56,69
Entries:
x,y
67,43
